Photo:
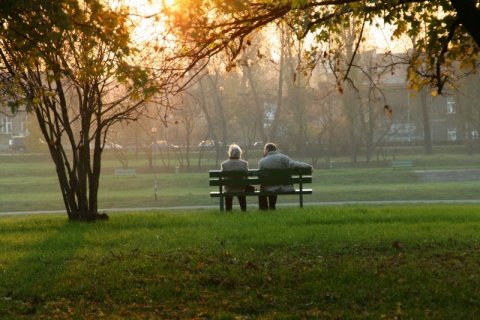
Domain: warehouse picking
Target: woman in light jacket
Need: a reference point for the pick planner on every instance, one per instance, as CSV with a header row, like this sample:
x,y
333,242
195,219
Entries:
x,y
235,163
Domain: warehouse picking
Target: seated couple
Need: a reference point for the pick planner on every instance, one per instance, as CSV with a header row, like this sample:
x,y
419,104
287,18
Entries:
x,y
272,159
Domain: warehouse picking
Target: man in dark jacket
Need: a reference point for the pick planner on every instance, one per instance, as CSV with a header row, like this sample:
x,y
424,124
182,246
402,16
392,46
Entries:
x,y
272,159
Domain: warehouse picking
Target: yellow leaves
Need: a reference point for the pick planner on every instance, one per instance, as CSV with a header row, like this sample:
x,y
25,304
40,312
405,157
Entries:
x,y
267,279
297,4
339,87
388,110
397,245
401,29
397,314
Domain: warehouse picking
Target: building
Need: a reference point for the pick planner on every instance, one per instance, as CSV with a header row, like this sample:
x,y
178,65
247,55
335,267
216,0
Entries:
x,y
13,125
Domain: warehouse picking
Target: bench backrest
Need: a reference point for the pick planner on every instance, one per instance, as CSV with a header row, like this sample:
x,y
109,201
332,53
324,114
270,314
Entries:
x,y
256,177
402,163
128,171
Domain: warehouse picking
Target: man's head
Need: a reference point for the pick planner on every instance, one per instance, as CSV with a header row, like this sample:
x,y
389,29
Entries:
x,y
270,147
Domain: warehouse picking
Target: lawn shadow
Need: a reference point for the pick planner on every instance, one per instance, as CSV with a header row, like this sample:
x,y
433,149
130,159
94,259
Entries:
x,y
28,281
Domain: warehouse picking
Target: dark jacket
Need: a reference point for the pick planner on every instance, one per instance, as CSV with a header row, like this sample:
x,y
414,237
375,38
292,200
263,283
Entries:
x,y
276,160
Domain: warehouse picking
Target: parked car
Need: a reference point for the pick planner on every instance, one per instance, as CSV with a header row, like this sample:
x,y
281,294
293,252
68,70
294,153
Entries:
x,y
17,144
207,143
163,144
111,145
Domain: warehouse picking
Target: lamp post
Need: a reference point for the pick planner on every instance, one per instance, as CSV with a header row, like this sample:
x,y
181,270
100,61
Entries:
x,y
152,133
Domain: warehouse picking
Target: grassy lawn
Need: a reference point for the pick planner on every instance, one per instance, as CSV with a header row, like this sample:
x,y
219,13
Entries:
x,y
28,183
357,262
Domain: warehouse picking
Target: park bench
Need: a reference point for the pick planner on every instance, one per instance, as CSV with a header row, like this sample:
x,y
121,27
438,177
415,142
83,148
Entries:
x,y
255,178
125,172
402,163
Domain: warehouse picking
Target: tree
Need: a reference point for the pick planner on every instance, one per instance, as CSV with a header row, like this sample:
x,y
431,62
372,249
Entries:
x,y
188,114
452,28
207,94
72,64
261,90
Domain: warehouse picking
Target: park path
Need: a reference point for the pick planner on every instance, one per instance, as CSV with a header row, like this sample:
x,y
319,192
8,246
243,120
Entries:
x,y
307,204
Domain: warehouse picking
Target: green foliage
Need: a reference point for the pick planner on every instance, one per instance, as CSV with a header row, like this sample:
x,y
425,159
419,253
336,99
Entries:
x,y
437,30
411,262
73,64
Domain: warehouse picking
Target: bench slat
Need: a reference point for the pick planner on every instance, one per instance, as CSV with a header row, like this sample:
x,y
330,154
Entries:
x,y
257,172
402,163
227,174
254,181
216,194
129,171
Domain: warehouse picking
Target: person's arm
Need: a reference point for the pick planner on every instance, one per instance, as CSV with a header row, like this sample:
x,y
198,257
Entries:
x,y
292,164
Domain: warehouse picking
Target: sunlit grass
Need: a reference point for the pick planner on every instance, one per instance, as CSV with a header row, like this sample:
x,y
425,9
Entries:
x,y
411,262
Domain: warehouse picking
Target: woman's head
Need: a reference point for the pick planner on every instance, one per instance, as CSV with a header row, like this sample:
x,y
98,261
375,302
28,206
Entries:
x,y
234,152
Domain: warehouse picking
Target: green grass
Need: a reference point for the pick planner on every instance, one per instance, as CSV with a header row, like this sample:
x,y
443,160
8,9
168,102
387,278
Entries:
x,y
28,183
357,262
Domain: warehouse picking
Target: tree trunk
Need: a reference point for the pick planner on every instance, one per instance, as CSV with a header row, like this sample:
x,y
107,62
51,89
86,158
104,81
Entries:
x,y
219,117
427,134
278,111
78,175
259,109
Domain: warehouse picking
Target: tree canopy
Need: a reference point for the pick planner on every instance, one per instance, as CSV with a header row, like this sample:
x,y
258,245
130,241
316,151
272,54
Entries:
x,y
442,32
74,65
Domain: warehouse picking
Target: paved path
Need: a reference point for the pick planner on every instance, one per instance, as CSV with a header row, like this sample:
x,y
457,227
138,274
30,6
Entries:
x,y
307,204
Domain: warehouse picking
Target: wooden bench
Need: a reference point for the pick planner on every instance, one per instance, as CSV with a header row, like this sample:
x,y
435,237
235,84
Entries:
x,y
256,178
125,172
402,163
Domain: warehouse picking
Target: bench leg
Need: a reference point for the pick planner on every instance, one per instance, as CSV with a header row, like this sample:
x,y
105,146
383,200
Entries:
x,y
222,204
301,194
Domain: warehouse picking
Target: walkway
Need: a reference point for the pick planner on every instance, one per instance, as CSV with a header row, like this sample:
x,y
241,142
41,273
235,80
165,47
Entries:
x,y
307,204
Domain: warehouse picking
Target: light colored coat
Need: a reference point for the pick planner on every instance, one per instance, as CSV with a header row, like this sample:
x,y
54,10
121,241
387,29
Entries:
x,y
276,160
234,165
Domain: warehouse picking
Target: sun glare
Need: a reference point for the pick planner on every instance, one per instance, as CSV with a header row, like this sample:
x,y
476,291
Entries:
x,y
380,38
148,6
145,13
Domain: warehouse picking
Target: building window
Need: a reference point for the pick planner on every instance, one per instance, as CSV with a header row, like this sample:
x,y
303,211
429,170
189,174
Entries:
x,y
474,135
6,125
24,125
452,135
450,105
